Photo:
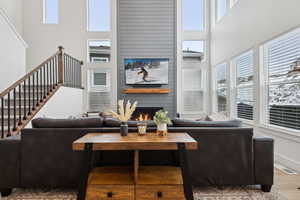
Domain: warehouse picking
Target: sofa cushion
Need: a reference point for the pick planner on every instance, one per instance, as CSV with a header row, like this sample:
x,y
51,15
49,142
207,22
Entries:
x,y
193,123
68,123
112,122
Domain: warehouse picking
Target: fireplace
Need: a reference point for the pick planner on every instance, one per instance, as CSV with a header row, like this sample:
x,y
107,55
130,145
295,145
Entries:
x,y
145,113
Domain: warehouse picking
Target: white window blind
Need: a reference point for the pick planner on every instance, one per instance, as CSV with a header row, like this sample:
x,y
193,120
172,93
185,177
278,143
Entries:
x,y
221,88
244,86
283,86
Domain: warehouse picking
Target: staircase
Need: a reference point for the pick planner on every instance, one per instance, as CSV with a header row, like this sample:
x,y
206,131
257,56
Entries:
x,y
22,100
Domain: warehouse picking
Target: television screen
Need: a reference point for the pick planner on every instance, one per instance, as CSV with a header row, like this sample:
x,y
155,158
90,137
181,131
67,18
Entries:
x,y
146,71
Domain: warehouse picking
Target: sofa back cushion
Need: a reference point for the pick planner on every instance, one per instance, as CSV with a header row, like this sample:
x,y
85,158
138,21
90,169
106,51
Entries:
x,y
193,123
112,122
67,123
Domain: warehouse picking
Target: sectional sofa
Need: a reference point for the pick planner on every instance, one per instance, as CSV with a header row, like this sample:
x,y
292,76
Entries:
x,y
42,156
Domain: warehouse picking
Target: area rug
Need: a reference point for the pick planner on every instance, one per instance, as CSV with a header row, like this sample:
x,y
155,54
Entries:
x,y
209,193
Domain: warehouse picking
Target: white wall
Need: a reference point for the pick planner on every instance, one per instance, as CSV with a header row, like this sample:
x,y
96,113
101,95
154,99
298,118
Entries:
x,y
66,102
248,25
14,11
12,53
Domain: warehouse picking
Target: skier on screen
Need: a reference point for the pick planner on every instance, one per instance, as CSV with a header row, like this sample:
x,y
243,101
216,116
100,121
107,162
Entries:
x,y
144,72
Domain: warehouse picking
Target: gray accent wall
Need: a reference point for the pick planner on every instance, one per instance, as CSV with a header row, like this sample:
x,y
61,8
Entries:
x,y
147,29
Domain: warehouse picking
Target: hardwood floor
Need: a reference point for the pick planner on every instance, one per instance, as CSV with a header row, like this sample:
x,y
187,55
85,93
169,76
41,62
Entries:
x,y
287,185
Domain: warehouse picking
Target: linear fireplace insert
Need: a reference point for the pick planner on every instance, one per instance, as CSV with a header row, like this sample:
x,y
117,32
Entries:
x,y
145,113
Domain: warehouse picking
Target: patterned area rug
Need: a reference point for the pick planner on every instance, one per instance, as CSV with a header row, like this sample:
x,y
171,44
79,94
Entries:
x,y
209,193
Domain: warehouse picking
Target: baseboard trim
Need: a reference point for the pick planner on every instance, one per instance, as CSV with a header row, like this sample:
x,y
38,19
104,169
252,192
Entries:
x,y
285,161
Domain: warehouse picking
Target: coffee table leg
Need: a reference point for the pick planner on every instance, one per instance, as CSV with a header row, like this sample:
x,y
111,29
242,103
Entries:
x,y
86,167
187,184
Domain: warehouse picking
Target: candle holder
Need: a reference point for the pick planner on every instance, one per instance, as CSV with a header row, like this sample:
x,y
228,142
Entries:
x,y
142,128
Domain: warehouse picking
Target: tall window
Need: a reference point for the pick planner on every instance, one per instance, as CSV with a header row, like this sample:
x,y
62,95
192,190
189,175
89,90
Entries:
x,y
193,15
50,12
99,15
221,9
221,87
283,77
244,86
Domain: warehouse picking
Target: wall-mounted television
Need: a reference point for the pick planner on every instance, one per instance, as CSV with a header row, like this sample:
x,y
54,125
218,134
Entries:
x,y
147,71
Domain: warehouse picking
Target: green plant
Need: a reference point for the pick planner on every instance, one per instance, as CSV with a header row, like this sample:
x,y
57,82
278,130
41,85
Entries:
x,y
161,117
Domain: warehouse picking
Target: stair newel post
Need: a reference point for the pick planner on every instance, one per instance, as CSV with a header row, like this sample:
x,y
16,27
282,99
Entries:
x,y
61,65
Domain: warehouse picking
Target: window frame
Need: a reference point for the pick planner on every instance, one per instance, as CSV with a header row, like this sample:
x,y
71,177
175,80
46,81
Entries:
x,y
88,51
265,82
88,18
99,88
45,13
216,88
235,87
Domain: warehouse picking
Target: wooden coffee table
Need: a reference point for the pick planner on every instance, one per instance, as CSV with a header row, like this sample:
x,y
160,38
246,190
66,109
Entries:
x,y
135,182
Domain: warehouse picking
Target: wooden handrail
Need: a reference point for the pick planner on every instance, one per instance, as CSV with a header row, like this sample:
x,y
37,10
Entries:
x,y
9,89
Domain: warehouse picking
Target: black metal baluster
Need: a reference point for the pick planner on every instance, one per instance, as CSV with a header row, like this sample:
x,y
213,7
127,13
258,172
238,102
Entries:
x,y
37,88
29,96
33,91
8,114
51,73
20,104
2,117
65,69
40,86
44,88
25,114
47,78
15,110
56,68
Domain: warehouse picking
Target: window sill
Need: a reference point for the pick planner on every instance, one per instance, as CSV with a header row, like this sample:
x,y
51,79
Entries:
x,y
292,135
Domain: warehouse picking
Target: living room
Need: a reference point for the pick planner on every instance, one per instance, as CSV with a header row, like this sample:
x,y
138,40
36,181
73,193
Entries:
x,y
199,98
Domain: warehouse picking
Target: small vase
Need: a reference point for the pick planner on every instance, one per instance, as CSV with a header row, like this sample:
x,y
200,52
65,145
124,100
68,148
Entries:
x,y
124,129
162,129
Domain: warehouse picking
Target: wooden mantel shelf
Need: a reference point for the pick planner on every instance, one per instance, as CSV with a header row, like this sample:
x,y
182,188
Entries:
x,y
146,90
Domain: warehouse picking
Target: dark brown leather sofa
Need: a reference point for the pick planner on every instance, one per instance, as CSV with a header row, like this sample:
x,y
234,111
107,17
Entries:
x,y
42,156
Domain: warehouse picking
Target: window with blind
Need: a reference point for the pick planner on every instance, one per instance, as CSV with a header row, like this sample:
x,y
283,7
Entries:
x,y
221,87
244,86
283,80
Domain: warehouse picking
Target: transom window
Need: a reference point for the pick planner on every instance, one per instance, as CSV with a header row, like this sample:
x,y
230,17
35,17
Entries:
x,y
193,49
193,15
99,12
244,85
283,80
99,51
50,12
221,8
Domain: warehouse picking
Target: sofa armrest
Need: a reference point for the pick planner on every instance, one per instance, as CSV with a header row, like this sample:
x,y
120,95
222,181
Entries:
x,y
10,162
264,160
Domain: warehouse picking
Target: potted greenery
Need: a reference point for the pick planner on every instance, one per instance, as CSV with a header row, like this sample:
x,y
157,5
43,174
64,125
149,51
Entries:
x,y
124,115
162,120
